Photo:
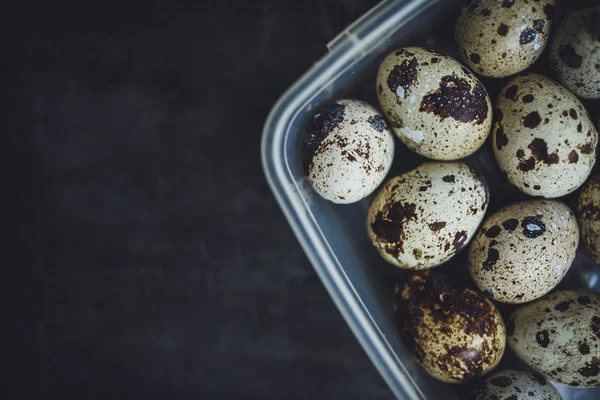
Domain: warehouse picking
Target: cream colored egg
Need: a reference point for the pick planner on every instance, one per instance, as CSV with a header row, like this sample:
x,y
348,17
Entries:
x,y
559,337
455,333
348,152
524,250
544,139
437,107
515,385
501,38
422,218
588,212
575,52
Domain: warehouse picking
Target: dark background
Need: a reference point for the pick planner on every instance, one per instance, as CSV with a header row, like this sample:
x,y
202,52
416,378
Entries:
x,y
145,253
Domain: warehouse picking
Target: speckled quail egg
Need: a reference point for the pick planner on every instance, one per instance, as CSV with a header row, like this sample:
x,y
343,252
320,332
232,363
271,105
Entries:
x,y
348,152
575,52
422,218
544,139
524,250
588,212
514,385
436,106
498,38
455,333
559,336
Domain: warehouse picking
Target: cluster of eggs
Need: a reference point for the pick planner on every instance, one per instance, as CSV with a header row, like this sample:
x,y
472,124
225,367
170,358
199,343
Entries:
x,y
544,141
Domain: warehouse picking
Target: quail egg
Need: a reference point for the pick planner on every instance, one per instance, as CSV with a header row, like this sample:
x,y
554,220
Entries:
x,y
575,53
588,211
436,106
455,334
422,218
524,250
514,385
544,139
498,38
559,336
348,152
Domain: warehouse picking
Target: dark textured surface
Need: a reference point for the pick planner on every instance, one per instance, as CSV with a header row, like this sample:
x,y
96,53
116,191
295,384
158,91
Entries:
x,y
151,257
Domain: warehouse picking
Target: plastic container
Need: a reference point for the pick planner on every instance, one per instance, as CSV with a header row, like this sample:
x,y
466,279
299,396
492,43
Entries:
x,y
334,237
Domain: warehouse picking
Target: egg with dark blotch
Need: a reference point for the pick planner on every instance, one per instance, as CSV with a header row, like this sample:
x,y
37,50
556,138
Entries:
x,y
588,213
501,38
575,52
543,137
559,337
348,151
436,106
424,217
455,334
524,250
514,385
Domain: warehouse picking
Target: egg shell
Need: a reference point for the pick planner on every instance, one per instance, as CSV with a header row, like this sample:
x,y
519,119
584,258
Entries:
x,y
436,106
588,212
348,152
575,52
422,218
501,38
515,385
559,337
544,139
524,250
455,333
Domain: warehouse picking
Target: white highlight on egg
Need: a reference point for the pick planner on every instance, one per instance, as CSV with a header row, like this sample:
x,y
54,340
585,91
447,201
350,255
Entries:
x,y
400,92
415,136
533,227
412,98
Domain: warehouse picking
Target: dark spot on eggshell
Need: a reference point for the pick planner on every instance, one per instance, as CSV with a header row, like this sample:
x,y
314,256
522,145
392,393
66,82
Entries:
x,y
569,56
539,150
436,226
520,153
528,98
527,165
579,127
573,157
493,231
533,227
486,12
549,11
449,179
589,370
417,253
319,127
403,75
475,58
584,300
501,138
527,36
584,348
502,30
511,92
510,224
573,113
377,123
456,99
492,256
562,306
501,381
532,120
435,60
460,239
542,338
508,3
389,225
585,148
